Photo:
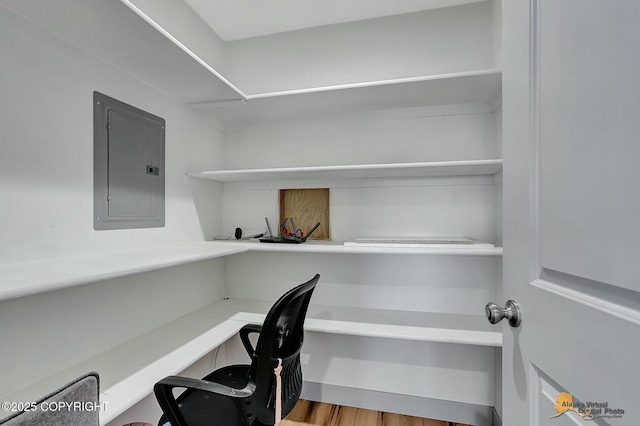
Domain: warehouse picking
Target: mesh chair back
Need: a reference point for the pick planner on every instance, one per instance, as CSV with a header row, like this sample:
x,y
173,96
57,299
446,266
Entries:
x,y
281,337
246,394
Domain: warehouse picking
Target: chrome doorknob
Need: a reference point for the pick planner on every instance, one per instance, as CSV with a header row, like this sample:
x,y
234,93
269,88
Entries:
x,y
511,312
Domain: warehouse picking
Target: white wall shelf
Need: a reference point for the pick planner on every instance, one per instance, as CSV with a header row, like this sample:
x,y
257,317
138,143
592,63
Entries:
x,y
186,74
204,88
382,323
467,85
27,278
360,171
129,371
336,247
481,86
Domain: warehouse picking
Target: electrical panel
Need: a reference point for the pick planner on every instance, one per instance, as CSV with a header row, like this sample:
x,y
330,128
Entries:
x,y
129,179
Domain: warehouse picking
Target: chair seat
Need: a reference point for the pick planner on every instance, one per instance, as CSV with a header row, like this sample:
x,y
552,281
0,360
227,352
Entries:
x,y
234,376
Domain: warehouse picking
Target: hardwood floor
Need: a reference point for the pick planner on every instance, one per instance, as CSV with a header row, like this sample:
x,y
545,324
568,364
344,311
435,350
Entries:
x,y
307,413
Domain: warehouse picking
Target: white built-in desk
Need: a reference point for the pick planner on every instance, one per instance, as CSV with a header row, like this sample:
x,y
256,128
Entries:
x,y
39,276
333,247
129,371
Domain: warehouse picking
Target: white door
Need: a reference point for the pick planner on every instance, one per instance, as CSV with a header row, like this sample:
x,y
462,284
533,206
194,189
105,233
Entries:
x,y
571,120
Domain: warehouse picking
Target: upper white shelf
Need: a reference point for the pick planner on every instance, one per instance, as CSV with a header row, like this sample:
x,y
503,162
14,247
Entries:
x,y
233,106
176,70
360,171
481,86
27,278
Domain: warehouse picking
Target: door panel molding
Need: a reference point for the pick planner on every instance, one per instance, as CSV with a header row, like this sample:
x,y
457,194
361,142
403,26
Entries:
x,y
618,302
584,121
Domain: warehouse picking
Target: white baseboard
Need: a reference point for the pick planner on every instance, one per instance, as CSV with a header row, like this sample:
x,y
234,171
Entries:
x,y
477,415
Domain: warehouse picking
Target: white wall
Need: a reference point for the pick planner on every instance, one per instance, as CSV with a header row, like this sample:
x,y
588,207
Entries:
x,y
391,207
48,332
431,370
446,284
496,7
439,371
46,157
425,206
447,40
438,41
46,193
179,20
148,410
406,135
434,206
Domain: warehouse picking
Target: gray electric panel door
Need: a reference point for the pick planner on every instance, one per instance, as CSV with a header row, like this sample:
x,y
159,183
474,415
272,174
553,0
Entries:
x,y
128,166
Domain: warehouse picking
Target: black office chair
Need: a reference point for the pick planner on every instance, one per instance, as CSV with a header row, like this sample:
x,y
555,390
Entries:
x,y
246,394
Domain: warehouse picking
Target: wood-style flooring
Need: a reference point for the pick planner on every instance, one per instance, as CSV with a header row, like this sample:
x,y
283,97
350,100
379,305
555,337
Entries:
x,y
307,413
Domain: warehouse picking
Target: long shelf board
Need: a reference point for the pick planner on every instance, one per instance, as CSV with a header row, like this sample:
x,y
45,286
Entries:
x,y
129,371
359,171
166,359
39,276
479,86
332,247
27,278
471,86
391,331
203,87
383,323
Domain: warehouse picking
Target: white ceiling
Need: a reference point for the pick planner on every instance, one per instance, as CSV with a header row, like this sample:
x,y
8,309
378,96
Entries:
x,y
238,19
